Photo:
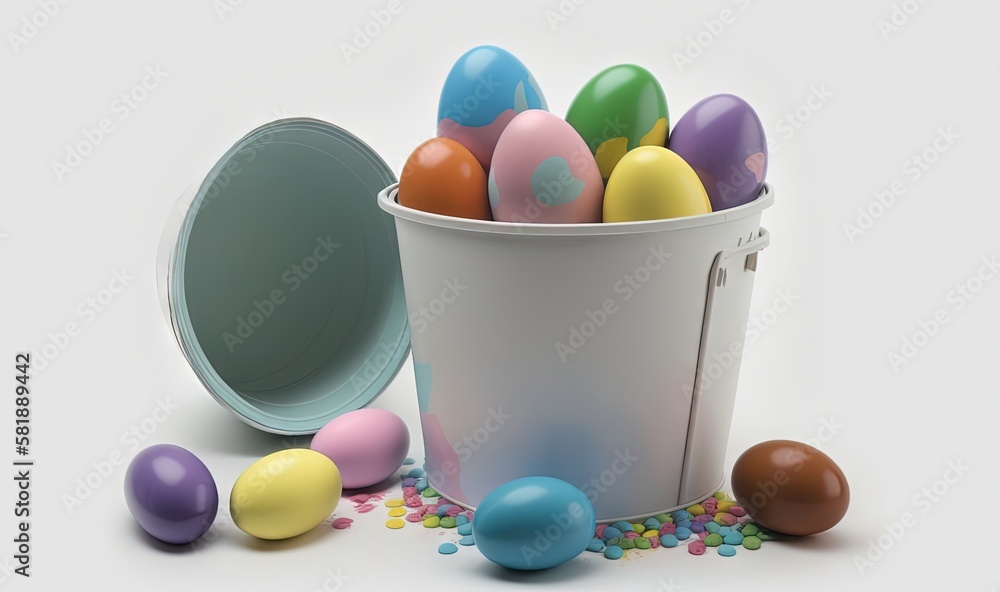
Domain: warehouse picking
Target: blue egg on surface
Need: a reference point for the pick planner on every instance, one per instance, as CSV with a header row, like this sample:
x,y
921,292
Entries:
x,y
534,523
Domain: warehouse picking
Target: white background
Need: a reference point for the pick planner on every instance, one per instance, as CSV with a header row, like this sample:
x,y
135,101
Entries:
x,y
822,360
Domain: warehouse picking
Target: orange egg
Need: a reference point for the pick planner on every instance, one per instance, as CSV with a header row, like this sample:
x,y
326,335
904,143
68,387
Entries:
x,y
443,177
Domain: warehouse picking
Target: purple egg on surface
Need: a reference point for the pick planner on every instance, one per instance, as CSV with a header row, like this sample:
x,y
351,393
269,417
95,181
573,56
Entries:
x,y
722,139
171,494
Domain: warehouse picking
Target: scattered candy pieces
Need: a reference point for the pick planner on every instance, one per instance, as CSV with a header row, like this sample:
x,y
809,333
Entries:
x,y
409,461
714,522
342,523
613,552
432,522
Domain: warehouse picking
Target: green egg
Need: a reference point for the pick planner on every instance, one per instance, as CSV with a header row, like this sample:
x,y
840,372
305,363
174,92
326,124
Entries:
x,y
621,108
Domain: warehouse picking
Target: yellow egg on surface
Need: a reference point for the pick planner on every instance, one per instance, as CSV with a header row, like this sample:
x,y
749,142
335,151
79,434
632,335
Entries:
x,y
285,494
652,183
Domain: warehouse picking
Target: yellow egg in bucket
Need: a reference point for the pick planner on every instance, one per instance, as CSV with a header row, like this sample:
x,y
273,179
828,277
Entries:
x,y
653,183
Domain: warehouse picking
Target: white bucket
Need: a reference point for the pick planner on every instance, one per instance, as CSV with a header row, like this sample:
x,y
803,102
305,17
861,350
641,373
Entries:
x,y
606,355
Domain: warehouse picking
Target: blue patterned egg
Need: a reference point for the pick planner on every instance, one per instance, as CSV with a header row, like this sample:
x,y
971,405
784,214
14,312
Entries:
x,y
484,90
543,172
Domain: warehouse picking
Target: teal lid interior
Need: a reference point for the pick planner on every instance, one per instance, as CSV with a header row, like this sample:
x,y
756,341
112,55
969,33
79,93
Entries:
x,y
285,287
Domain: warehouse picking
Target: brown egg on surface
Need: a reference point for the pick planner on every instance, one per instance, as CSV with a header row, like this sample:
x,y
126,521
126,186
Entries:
x,y
790,487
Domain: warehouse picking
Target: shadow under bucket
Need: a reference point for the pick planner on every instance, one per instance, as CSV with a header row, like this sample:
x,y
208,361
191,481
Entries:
x,y
280,277
586,352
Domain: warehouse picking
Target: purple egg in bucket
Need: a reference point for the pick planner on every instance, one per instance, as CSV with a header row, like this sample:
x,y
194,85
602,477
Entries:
x,y
171,494
722,139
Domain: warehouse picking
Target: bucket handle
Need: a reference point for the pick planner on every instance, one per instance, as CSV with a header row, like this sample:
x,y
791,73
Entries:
x,y
723,334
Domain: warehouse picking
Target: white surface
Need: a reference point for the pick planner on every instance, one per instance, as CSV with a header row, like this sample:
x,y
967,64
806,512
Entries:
x,y
821,361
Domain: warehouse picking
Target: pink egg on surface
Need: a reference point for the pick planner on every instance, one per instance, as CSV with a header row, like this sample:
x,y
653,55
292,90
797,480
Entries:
x,y
543,172
367,445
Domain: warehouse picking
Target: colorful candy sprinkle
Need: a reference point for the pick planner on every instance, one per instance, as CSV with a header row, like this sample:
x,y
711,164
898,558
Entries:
x,y
342,523
727,550
397,512
447,548
432,522
613,552
395,523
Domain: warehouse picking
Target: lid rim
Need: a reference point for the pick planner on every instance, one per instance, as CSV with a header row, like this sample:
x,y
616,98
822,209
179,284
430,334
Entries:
x,y
188,341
